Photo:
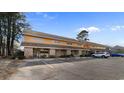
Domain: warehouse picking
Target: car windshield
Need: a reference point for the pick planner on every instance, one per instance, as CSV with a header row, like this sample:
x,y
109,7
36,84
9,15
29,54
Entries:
x,y
102,53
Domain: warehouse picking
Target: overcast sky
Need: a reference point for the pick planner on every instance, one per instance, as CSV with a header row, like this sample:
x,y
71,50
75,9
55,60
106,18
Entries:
x,y
104,28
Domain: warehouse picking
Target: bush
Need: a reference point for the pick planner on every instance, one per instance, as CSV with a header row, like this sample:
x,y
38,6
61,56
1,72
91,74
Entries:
x,y
88,55
43,56
65,56
51,56
68,55
62,56
72,55
82,55
119,51
18,54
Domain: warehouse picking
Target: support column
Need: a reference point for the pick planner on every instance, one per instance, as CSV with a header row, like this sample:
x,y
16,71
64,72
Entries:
x,y
80,52
52,52
28,52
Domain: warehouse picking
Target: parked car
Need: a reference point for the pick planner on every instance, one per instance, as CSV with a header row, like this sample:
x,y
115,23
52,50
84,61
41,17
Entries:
x,y
101,55
117,55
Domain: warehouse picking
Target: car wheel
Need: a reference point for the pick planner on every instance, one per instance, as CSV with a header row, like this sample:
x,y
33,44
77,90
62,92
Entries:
x,y
93,56
103,56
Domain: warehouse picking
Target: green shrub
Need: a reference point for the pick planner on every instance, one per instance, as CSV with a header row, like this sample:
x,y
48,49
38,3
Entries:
x,y
72,55
51,56
43,56
65,56
82,55
68,55
18,54
119,51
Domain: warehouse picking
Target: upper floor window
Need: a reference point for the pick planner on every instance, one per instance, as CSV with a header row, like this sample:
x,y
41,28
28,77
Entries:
x,y
38,40
79,44
56,41
69,43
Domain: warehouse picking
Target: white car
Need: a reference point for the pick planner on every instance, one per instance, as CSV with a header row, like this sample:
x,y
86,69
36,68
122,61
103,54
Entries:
x,y
101,54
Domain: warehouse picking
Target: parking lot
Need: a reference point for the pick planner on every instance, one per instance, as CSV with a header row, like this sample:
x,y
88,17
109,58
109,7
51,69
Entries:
x,y
71,69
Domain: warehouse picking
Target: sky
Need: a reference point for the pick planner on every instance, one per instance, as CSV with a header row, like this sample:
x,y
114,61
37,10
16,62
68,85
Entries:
x,y
103,27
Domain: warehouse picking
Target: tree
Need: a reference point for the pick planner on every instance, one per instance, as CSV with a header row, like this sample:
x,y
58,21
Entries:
x,y
12,25
83,36
19,24
2,33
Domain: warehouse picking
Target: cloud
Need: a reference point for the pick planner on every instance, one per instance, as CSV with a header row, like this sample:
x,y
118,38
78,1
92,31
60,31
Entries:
x,y
117,28
45,15
49,17
93,29
90,29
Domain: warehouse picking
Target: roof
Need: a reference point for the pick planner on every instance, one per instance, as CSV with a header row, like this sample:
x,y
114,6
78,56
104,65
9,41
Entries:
x,y
46,35
95,44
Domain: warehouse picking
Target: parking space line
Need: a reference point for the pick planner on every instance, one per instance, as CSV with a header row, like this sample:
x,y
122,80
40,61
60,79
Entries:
x,y
48,65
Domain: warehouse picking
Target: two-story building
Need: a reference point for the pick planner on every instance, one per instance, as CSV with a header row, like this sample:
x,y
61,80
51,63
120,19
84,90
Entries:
x,y
38,44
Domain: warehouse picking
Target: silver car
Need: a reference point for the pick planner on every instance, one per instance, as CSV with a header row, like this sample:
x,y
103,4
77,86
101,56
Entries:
x,y
101,55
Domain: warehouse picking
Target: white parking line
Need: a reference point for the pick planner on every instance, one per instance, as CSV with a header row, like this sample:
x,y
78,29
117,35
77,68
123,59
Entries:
x,y
48,65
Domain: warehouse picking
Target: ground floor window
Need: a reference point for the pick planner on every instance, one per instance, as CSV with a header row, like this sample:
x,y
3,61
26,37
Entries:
x,y
74,52
47,52
40,53
60,52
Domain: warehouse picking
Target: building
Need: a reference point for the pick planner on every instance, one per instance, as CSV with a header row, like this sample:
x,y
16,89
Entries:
x,y
38,44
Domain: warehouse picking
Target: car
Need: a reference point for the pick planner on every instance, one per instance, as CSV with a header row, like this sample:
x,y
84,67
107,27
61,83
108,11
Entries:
x,y
101,55
117,55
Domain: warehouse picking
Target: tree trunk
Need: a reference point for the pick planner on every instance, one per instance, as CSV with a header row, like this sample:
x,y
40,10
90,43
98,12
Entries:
x,y
12,44
0,37
8,35
13,35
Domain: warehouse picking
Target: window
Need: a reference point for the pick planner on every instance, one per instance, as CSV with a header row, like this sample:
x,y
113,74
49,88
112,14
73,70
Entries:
x,y
79,44
56,41
38,39
69,43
